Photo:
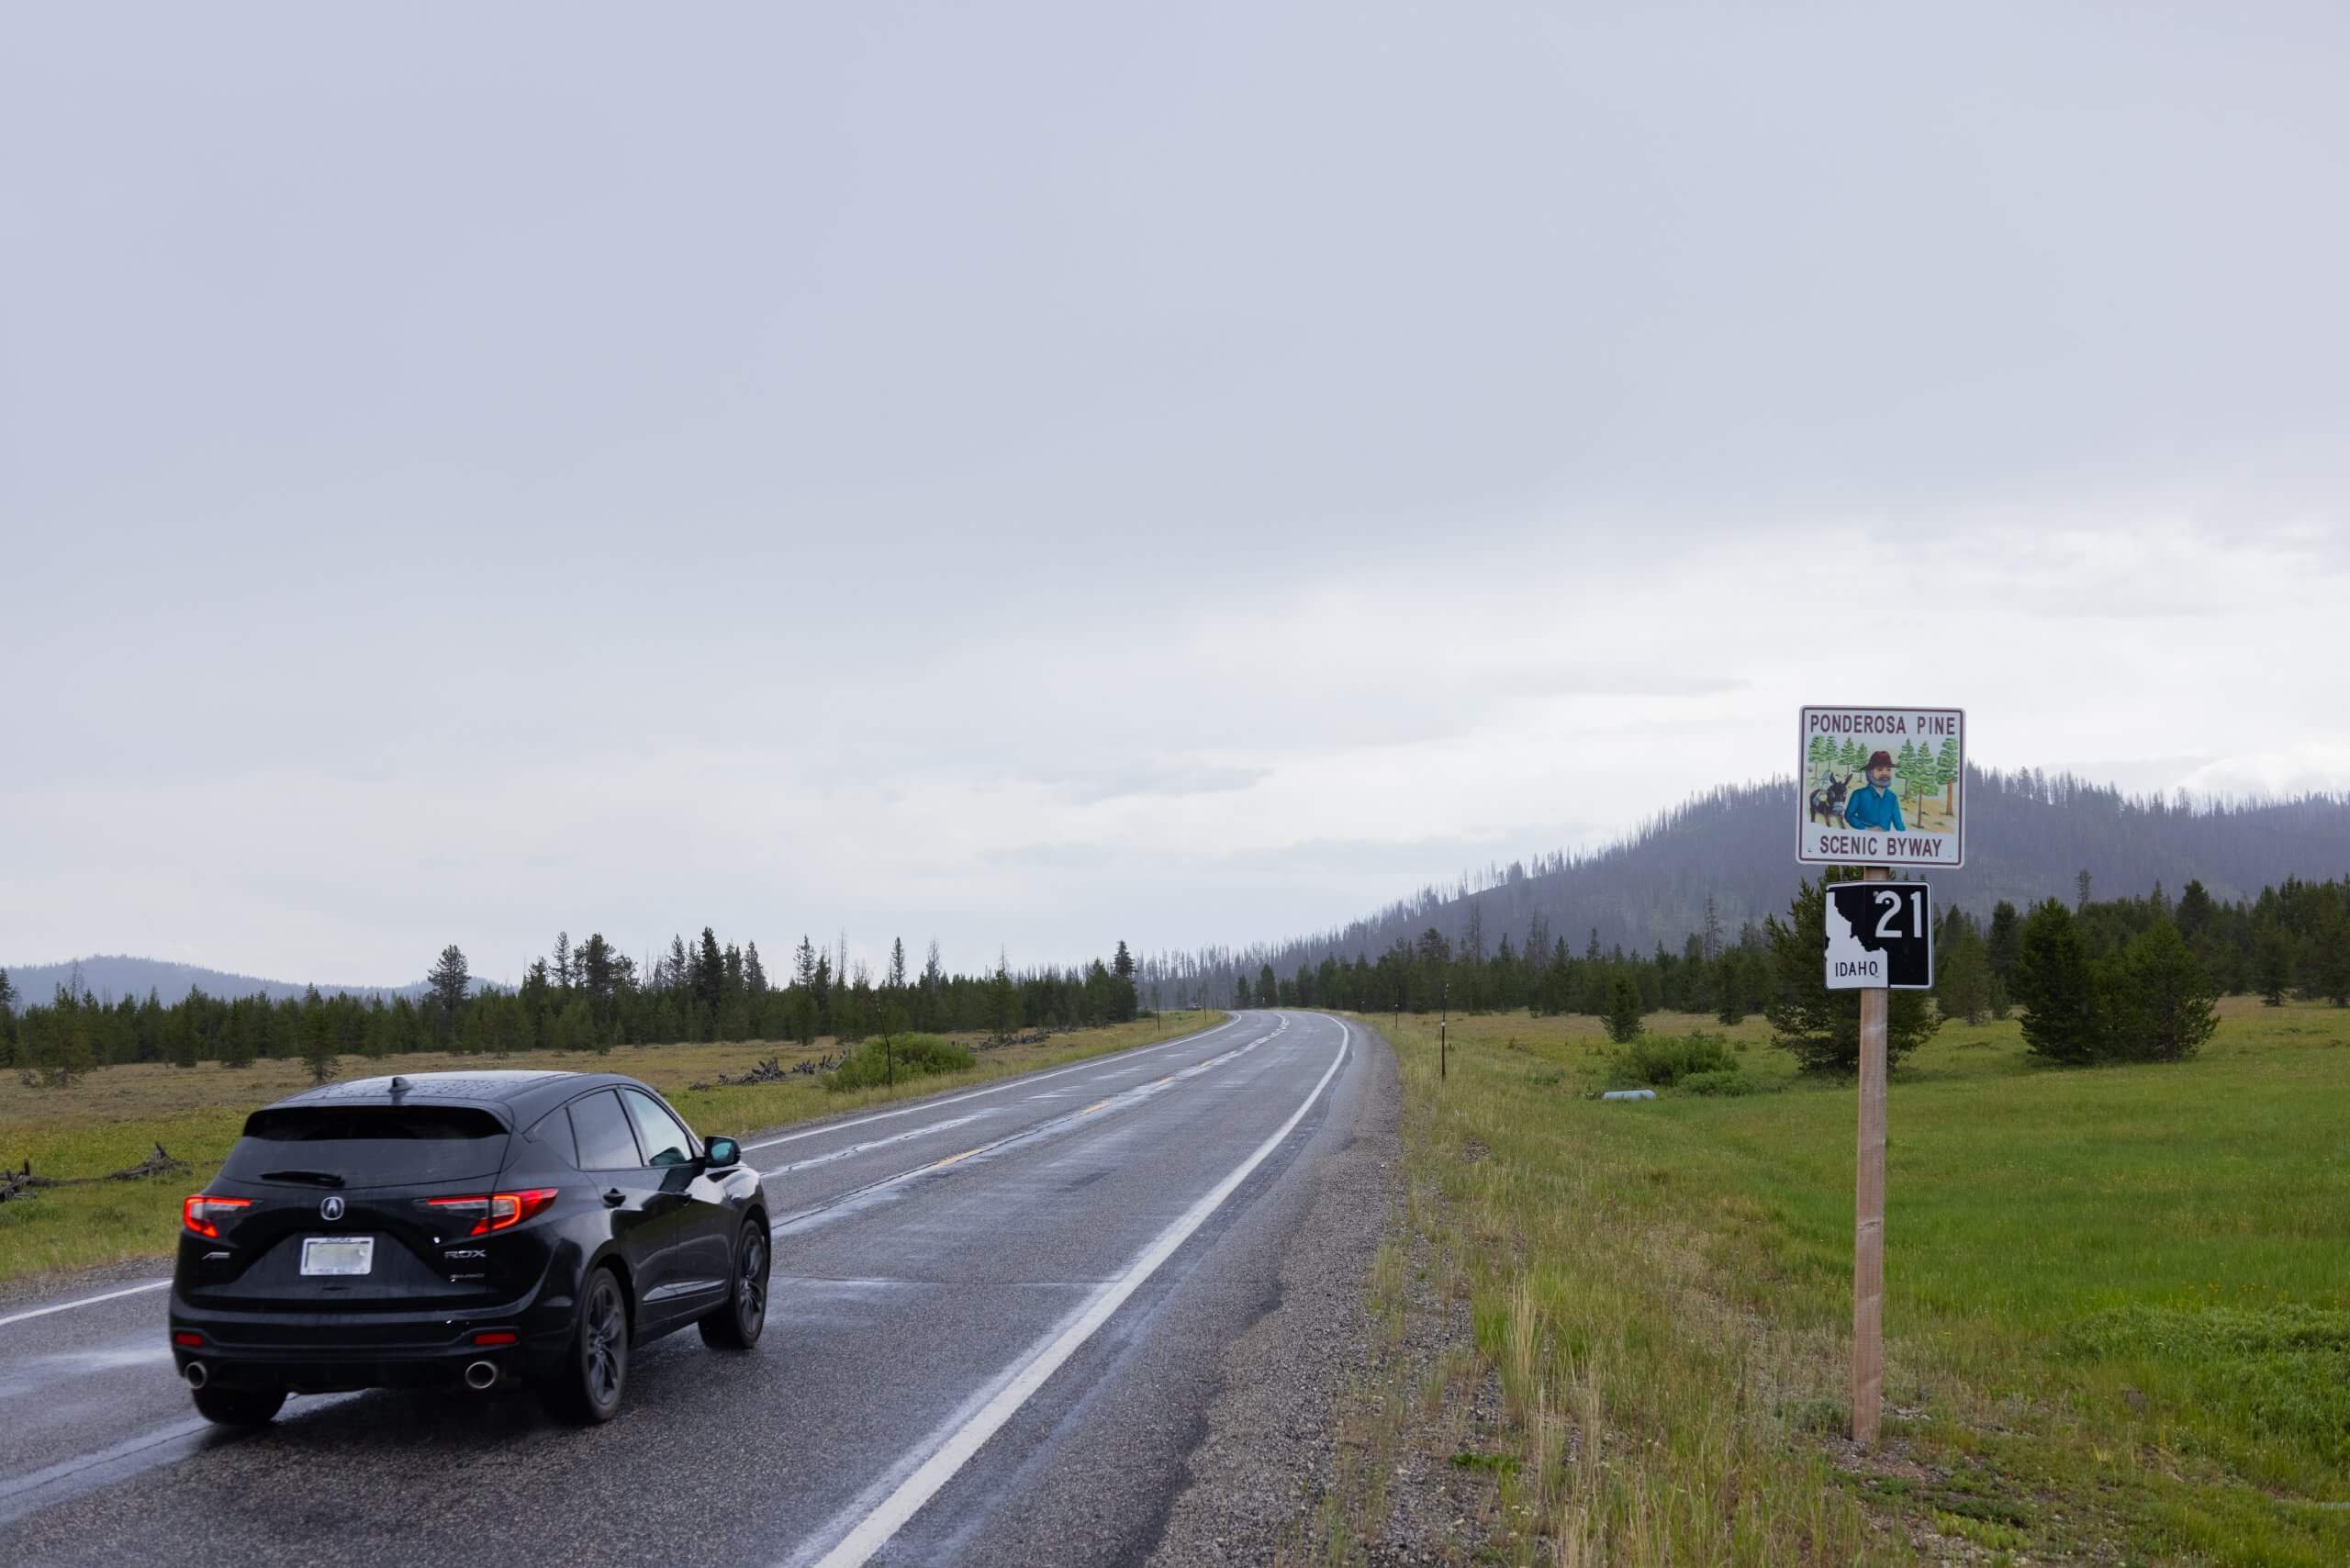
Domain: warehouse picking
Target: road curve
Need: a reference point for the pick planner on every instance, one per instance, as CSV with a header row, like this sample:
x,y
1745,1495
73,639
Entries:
x,y
993,1338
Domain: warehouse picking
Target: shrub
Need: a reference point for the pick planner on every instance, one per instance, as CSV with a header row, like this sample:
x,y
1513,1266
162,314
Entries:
x,y
908,1056
1717,1083
1661,1062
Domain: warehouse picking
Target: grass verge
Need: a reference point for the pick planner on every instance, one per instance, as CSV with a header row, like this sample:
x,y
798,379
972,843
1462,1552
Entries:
x,y
111,1118
2118,1323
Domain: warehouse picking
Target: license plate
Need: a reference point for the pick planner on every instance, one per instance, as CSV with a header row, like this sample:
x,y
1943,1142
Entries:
x,y
338,1254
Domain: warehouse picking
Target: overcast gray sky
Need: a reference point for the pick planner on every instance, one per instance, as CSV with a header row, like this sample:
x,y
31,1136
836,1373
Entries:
x,y
1040,475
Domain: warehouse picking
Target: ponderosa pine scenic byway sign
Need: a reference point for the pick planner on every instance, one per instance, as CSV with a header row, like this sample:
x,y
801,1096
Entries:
x,y
1882,787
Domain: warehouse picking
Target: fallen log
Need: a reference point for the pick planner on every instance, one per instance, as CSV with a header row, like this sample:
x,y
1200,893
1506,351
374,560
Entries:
x,y
22,1183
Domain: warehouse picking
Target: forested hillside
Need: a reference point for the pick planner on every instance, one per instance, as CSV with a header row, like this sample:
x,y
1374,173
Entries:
x,y
589,996
1729,853
109,976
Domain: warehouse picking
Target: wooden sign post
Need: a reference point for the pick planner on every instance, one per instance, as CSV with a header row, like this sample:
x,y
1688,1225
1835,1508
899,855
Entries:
x,y
1868,1215
1850,794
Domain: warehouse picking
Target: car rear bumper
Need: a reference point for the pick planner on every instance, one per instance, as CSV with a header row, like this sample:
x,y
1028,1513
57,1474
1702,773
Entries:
x,y
324,1352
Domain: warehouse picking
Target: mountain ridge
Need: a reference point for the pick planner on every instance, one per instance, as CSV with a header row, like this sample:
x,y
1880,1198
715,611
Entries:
x,y
112,976
2030,835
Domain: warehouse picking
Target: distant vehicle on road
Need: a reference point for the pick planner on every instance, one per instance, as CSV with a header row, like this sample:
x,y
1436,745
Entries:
x,y
474,1228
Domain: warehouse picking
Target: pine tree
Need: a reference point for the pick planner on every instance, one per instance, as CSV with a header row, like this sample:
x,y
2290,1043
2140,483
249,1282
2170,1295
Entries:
x,y
2160,1000
562,959
448,980
1963,980
708,974
2272,962
1623,1009
318,1039
2195,910
2001,944
1730,1001
1003,1001
185,1034
2334,955
2054,982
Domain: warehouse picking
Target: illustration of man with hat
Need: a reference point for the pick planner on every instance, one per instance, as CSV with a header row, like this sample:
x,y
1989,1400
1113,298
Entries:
x,y
1877,808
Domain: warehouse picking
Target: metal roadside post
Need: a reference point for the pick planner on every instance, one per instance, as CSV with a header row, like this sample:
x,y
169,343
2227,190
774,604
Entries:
x,y
1868,946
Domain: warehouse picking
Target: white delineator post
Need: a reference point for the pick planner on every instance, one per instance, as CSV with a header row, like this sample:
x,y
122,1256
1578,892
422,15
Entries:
x,y
1868,1214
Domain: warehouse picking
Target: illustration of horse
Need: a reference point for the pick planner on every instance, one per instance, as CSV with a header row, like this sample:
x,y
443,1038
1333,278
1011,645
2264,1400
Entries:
x,y
1828,804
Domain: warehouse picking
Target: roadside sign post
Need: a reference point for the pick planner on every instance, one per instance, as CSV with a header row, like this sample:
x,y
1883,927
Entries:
x,y
1851,793
1868,1215
1444,1029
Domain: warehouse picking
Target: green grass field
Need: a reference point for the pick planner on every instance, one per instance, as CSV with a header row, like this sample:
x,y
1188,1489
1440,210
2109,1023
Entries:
x,y
2117,1310
110,1119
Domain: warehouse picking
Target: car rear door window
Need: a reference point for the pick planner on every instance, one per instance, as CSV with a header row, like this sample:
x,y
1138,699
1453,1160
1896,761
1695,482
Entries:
x,y
554,1129
602,1126
665,1143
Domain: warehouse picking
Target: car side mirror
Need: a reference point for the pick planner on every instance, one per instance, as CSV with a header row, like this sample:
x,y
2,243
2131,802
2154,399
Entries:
x,y
721,1154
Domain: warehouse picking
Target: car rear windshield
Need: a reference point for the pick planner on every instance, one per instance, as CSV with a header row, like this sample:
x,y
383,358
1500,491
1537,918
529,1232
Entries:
x,y
367,1146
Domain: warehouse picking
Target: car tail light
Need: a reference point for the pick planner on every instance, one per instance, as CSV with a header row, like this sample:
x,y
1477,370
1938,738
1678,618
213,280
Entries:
x,y
187,1339
202,1213
494,1337
495,1211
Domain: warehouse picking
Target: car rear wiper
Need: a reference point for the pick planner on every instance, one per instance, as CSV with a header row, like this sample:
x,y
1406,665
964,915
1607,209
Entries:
x,y
316,1178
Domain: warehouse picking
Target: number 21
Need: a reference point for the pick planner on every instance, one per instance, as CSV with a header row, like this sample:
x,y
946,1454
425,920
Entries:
x,y
1892,902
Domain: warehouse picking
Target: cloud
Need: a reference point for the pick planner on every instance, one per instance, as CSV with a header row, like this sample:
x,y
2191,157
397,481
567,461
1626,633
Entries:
x,y
1118,458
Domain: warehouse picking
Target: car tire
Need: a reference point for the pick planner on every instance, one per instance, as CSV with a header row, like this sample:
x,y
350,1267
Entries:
x,y
586,1388
737,1325
238,1406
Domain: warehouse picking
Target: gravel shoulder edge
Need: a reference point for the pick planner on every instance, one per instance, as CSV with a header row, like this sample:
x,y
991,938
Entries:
x,y
1270,1449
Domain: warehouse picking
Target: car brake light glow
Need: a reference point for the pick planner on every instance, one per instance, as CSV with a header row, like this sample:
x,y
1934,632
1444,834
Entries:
x,y
496,1211
202,1209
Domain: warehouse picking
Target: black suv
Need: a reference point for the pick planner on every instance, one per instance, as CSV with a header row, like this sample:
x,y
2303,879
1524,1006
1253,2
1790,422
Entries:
x,y
482,1227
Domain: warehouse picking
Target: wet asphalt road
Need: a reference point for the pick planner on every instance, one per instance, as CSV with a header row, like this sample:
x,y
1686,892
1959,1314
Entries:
x,y
993,1337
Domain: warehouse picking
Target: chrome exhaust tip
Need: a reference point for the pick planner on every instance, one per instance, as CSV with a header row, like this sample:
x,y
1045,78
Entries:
x,y
195,1374
481,1375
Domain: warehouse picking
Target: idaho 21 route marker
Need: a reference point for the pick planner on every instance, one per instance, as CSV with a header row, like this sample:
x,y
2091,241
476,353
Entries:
x,y
1877,788
1880,934
1882,787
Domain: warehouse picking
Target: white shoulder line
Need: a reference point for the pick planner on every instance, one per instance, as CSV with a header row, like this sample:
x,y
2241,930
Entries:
x,y
86,1301
872,1532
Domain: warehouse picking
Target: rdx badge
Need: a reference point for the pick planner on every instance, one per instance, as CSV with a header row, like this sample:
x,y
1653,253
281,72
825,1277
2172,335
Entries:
x,y
464,1252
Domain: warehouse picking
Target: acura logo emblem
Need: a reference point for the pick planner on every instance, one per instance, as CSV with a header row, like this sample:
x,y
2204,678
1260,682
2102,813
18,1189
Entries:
x,y
331,1208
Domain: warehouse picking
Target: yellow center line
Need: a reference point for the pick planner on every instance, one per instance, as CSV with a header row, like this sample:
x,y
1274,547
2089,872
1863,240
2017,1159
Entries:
x,y
1095,1106
954,1159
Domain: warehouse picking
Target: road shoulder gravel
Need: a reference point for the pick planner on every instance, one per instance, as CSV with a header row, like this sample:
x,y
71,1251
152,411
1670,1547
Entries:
x,y
1270,1449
